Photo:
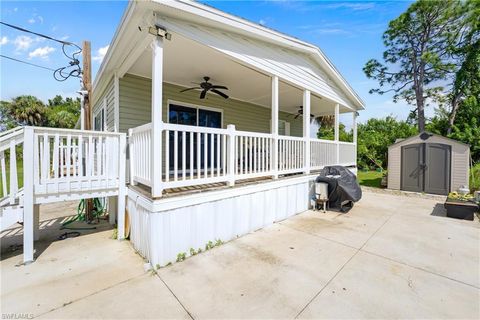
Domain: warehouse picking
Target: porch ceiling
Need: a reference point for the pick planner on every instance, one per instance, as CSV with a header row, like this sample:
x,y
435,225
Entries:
x,y
186,62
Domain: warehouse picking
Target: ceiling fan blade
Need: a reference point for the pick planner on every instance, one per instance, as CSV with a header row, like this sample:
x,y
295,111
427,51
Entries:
x,y
298,115
220,93
219,87
312,116
195,88
203,94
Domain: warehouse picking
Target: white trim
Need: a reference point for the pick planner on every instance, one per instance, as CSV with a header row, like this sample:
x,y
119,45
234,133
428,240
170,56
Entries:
x,y
193,106
191,199
116,104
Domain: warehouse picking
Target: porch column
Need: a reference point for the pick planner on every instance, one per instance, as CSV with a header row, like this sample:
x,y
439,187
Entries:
x,y
274,127
156,148
28,196
337,132
355,115
306,129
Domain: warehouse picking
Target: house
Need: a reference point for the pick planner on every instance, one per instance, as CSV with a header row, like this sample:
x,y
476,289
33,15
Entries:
x,y
428,163
230,156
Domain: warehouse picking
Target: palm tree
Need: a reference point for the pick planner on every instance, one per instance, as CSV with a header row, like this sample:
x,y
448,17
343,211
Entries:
x,y
27,110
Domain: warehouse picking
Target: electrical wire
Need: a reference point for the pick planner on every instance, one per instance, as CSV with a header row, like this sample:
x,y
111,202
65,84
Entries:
x,y
63,73
25,62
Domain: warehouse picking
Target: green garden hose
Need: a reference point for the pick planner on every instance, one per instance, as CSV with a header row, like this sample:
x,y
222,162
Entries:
x,y
97,212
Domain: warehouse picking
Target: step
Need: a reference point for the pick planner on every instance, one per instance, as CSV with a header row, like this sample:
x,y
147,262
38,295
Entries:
x,y
10,215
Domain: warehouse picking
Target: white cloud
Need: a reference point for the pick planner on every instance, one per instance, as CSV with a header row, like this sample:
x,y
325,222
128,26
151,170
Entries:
x,y
40,19
100,54
262,22
15,9
42,52
31,21
22,43
355,6
3,40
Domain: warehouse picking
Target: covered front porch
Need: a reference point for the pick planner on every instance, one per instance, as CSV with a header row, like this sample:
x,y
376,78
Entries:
x,y
266,129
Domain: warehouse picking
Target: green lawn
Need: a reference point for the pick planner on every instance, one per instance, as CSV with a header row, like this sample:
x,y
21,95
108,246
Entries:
x,y
369,178
19,172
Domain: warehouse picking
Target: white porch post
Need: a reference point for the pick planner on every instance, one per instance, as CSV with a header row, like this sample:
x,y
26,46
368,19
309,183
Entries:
x,y
231,155
274,127
157,106
306,129
355,114
122,189
337,132
28,196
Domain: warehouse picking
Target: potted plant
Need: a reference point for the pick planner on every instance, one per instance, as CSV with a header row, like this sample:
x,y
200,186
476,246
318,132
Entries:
x,y
461,206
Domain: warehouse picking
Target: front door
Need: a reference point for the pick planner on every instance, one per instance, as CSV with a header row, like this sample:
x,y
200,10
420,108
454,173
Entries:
x,y
437,172
426,168
412,167
191,116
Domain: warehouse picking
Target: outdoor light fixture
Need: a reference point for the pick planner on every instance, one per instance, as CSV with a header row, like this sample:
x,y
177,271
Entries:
x,y
158,30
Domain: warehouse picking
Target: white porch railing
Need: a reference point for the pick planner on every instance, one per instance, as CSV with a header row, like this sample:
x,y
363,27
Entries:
x,y
194,155
322,153
9,141
68,161
347,153
291,154
253,154
140,145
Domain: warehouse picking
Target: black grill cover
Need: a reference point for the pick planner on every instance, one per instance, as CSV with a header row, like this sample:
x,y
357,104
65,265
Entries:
x,y
343,188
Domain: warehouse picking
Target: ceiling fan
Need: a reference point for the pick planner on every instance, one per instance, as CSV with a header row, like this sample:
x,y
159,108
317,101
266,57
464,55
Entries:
x,y
207,86
300,113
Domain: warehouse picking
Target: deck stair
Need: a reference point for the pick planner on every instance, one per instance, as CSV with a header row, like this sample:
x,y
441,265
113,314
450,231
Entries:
x,y
58,165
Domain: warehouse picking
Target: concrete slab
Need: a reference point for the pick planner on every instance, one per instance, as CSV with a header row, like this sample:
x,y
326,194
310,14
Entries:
x,y
143,297
271,273
441,245
375,288
67,271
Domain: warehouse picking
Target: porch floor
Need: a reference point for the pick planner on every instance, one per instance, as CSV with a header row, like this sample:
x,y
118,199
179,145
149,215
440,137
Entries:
x,y
173,192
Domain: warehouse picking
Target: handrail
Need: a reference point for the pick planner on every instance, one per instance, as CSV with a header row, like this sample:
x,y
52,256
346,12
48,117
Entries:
x,y
182,127
10,131
75,131
142,128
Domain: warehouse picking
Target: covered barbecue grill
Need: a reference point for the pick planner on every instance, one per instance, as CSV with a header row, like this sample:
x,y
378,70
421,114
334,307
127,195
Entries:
x,y
343,188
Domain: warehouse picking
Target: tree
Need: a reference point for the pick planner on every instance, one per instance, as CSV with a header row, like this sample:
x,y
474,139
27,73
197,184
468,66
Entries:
x,y
27,111
7,121
467,78
375,136
419,51
63,113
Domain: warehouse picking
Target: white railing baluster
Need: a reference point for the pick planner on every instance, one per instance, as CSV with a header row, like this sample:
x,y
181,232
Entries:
x,y
205,155
199,139
175,155
212,158
167,155
4,174
184,155
191,155
13,172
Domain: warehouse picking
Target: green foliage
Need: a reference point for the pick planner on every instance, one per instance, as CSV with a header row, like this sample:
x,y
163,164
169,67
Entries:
x,y
328,133
181,256
209,245
475,178
375,136
63,113
30,111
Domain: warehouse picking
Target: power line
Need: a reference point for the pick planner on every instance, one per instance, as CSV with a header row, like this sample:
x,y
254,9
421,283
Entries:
x,y
61,74
38,34
25,62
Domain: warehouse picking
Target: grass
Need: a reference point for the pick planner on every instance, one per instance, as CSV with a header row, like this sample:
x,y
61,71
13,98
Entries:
x,y
370,178
19,173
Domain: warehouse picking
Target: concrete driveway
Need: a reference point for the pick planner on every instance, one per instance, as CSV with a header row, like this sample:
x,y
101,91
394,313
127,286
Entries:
x,y
390,257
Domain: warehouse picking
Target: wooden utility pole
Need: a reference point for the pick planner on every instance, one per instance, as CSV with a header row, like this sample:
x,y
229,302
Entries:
x,y
87,82
87,85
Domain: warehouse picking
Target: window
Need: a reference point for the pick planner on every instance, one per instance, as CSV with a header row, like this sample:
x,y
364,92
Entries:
x,y
190,115
99,118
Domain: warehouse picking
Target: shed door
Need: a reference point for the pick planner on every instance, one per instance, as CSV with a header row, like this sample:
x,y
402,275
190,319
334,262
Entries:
x,y
412,167
437,171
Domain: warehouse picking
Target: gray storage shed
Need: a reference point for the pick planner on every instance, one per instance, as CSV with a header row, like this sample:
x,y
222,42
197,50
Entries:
x,y
428,163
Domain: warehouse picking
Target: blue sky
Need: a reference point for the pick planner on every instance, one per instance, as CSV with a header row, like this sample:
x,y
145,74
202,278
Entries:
x,y
349,32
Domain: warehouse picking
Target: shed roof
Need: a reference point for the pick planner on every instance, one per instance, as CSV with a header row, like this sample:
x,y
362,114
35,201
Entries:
x,y
405,141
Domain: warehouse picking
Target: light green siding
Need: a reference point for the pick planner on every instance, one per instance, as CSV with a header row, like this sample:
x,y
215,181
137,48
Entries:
x,y
107,97
135,107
